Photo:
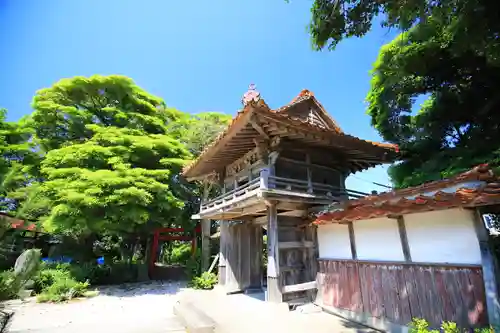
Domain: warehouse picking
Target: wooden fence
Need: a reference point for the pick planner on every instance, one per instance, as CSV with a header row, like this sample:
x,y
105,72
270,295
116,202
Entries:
x,y
400,291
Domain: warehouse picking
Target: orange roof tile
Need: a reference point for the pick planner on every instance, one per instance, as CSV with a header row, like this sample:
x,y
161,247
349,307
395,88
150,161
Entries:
x,y
426,197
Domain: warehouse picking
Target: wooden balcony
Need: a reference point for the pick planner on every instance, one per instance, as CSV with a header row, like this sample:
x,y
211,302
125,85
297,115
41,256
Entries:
x,y
249,199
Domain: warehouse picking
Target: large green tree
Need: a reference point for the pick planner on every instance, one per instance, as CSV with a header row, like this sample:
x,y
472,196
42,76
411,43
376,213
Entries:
x,y
109,163
119,181
446,55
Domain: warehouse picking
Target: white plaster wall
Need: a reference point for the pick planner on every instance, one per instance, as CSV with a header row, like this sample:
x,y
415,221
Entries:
x,y
446,236
378,239
334,242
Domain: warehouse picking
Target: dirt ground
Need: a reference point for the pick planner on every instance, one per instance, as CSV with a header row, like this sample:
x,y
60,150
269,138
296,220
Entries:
x,y
130,308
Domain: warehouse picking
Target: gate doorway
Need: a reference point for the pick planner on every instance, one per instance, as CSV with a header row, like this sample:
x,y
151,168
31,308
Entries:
x,y
161,267
241,265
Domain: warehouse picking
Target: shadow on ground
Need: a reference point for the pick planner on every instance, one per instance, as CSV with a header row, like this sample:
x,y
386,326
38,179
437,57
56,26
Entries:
x,y
142,288
358,327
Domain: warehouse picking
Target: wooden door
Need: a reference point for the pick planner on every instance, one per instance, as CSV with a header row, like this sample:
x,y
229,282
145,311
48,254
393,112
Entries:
x,y
297,258
242,253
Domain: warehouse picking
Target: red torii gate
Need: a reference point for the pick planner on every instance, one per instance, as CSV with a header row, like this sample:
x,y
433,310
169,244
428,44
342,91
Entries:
x,y
165,234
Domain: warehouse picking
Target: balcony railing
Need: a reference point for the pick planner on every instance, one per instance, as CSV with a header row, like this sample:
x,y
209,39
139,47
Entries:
x,y
303,186
230,197
266,183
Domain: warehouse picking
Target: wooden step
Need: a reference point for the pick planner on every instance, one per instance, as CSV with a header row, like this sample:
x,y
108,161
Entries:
x,y
299,287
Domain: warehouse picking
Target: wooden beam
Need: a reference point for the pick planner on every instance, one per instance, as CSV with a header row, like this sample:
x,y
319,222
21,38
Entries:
x,y
260,220
286,205
295,245
294,213
352,240
299,287
216,259
255,124
273,274
404,238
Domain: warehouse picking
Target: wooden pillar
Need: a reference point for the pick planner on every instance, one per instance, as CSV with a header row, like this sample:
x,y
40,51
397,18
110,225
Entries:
x,y
309,174
274,293
223,237
205,233
352,240
490,268
404,238
205,244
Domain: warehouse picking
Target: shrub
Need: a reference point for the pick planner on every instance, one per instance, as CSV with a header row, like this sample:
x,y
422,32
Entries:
x,y
47,277
419,325
116,273
62,289
8,289
181,254
56,283
205,281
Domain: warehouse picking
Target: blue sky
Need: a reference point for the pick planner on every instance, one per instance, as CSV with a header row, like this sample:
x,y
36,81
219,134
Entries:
x,y
197,55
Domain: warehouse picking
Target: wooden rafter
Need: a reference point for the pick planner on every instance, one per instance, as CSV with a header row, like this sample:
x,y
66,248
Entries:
x,y
255,124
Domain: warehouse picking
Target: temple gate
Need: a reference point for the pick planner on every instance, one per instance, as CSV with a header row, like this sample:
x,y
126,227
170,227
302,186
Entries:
x,y
275,167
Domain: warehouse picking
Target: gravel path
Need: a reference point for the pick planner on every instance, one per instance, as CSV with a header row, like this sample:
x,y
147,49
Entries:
x,y
132,308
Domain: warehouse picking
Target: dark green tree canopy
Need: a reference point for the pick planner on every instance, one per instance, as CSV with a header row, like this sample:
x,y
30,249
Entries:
x,y
475,23
447,55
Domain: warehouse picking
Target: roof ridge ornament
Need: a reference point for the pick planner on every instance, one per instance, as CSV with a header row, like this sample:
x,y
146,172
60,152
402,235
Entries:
x,y
252,95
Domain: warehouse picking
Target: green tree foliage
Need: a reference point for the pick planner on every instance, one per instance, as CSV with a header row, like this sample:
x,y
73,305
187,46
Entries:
x,y
109,164
100,159
457,126
63,111
474,23
199,130
117,180
448,54
196,132
17,160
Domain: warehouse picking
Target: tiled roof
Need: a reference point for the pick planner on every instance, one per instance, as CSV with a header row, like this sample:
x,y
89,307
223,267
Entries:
x,y
279,113
476,187
305,95
19,224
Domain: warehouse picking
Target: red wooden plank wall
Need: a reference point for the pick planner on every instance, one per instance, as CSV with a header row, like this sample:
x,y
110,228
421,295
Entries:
x,y
400,292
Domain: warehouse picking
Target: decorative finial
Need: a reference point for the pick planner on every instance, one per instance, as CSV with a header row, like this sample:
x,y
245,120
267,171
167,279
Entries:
x,y
251,95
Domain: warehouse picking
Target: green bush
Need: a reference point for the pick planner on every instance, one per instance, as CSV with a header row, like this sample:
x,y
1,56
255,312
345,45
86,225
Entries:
x,y
62,289
46,277
60,282
8,288
205,281
115,273
193,266
181,254
419,325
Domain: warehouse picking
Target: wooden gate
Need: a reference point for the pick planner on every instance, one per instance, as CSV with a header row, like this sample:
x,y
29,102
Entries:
x,y
297,265
240,266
